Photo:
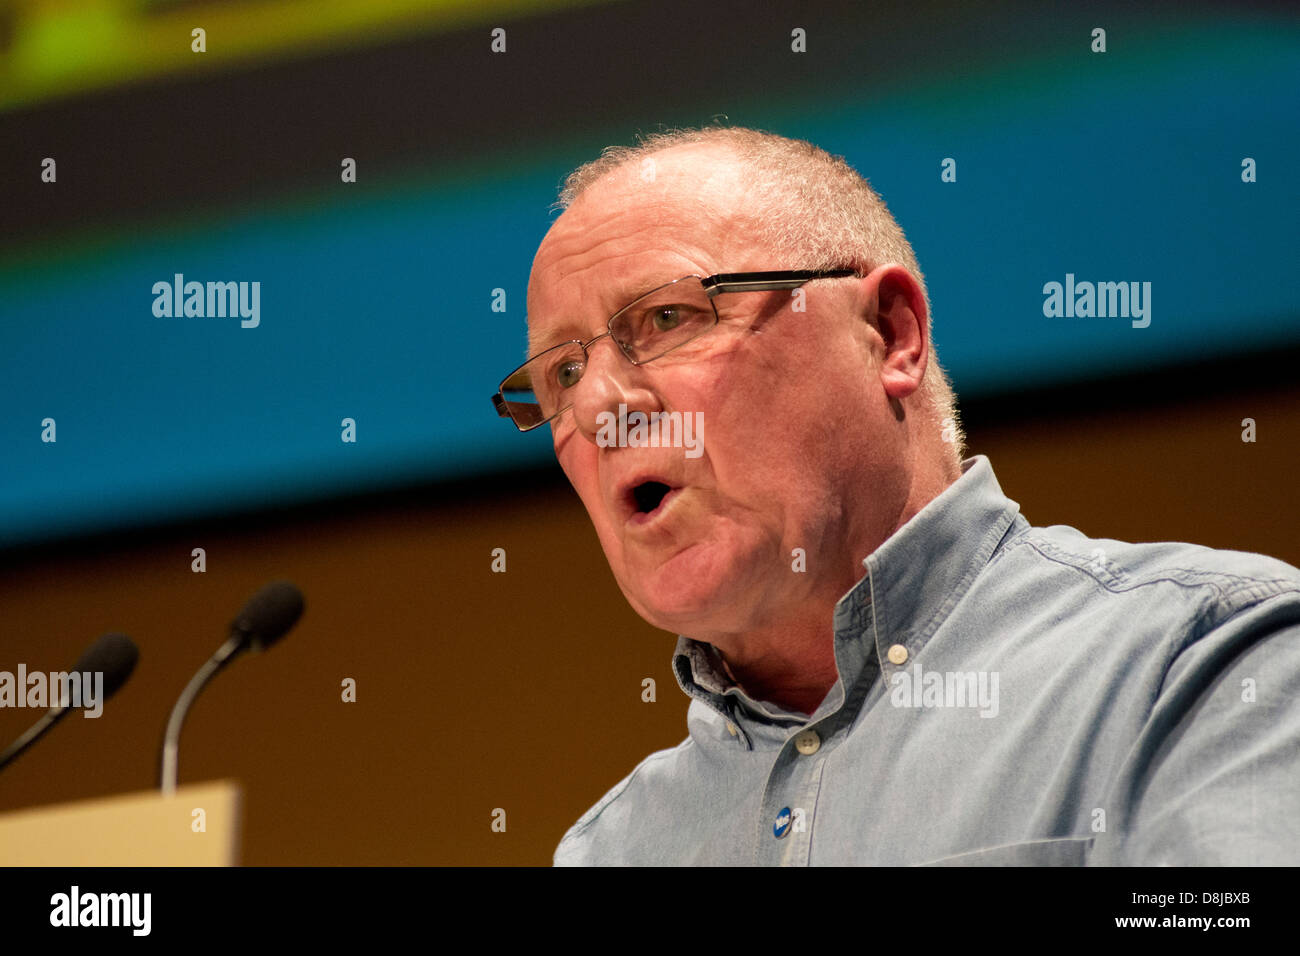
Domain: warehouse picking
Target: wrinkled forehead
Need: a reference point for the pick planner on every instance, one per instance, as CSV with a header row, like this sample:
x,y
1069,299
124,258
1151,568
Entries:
x,y
633,230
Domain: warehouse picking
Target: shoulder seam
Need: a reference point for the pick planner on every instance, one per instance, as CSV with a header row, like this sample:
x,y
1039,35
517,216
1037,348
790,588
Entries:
x,y
1225,584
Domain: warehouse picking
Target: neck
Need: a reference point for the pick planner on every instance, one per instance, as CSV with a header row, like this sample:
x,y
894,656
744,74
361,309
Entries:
x,y
796,676
789,660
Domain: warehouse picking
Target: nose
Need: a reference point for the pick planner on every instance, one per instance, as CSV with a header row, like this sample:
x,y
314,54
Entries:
x,y
610,380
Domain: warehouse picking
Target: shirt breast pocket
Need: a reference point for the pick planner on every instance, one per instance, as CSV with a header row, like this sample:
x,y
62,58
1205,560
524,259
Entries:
x,y
1061,851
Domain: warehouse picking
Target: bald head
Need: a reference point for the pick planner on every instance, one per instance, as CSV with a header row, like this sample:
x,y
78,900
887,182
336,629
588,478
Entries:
x,y
811,209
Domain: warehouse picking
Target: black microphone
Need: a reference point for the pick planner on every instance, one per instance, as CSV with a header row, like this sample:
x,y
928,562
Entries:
x,y
267,617
113,655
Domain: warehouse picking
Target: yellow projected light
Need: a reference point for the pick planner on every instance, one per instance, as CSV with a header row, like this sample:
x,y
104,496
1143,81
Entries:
x,y
51,48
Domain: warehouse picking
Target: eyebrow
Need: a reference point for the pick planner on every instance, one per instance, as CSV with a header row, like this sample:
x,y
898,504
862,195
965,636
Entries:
x,y
550,339
558,335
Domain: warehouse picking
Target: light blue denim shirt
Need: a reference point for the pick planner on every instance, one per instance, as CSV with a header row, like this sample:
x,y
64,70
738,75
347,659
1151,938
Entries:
x,y
1006,695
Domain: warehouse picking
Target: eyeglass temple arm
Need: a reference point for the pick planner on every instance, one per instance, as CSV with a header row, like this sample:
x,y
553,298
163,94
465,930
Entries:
x,y
499,404
764,281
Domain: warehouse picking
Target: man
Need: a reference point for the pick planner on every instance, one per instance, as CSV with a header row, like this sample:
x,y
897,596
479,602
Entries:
x,y
887,663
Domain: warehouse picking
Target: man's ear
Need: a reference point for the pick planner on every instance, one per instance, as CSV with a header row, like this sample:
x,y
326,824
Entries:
x,y
892,301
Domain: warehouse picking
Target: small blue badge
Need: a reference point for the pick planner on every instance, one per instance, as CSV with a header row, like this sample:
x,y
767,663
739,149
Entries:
x,y
782,825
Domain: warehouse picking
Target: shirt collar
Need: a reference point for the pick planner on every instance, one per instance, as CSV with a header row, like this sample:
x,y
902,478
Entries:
x,y
913,581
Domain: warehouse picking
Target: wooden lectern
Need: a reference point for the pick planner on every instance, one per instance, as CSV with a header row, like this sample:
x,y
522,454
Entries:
x,y
136,829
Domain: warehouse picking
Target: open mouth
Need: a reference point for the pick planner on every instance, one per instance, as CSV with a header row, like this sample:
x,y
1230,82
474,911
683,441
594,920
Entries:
x,y
645,497
649,495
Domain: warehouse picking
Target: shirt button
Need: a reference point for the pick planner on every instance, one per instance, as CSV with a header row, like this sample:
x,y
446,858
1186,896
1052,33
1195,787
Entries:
x,y
731,728
807,742
897,654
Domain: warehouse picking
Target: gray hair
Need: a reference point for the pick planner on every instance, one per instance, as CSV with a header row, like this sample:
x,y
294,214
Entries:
x,y
816,212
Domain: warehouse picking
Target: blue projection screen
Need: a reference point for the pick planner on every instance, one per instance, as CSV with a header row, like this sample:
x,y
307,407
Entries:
x,y
400,306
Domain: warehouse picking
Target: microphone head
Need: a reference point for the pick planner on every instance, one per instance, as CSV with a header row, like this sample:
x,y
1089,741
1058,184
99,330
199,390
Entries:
x,y
114,655
269,614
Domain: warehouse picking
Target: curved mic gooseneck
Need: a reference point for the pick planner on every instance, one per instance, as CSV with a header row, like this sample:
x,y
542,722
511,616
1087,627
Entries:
x,y
267,617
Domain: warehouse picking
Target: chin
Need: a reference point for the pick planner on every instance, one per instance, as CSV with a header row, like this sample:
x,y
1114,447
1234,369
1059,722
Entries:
x,y
677,596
